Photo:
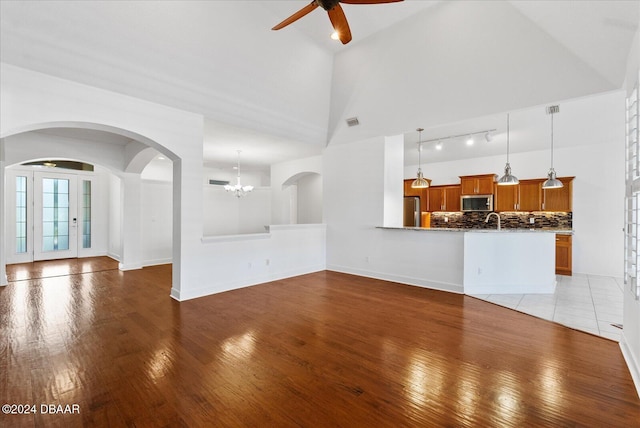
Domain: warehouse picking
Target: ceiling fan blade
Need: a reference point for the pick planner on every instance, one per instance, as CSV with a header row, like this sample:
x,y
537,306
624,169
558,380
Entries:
x,y
299,14
340,24
368,1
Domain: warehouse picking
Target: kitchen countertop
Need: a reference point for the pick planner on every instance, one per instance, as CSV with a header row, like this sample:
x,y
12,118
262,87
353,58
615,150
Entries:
x,y
454,229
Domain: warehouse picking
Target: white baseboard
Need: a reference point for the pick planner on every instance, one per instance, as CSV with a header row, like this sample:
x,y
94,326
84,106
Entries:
x,y
157,262
402,279
130,266
632,363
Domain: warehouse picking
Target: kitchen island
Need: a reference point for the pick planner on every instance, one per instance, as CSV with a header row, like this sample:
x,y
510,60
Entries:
x,y
507,261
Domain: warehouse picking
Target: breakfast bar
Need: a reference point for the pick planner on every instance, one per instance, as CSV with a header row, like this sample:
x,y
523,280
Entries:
x,y
507,261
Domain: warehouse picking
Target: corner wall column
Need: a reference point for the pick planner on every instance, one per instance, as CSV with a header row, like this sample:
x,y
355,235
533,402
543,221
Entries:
x,y
131,222
393,175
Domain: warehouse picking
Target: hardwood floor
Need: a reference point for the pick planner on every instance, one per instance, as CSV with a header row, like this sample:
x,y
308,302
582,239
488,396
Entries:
x,y
325,349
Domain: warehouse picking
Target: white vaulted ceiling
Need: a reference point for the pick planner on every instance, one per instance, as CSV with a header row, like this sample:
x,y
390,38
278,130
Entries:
x,y
280,95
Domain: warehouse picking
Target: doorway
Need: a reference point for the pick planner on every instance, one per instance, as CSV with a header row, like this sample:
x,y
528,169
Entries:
x,y
49,214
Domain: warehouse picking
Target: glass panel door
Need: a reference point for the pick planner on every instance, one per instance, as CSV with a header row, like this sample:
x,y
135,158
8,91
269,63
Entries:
x,y
55,218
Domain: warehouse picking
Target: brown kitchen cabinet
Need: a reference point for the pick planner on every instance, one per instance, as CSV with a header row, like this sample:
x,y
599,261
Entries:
x,y
530,195
563,254
506,198
477,184
452,198
525,196
444,198
436,198
559,199
423,194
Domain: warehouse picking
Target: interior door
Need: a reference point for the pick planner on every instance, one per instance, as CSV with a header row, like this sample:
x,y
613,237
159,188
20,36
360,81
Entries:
x,y
55,218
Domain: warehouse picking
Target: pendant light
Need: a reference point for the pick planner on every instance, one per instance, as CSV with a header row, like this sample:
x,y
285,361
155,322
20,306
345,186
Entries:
x,y
238,190
420,182
507,179
552,182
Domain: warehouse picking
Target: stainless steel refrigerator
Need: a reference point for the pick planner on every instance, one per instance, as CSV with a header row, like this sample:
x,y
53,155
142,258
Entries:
x,y
411,211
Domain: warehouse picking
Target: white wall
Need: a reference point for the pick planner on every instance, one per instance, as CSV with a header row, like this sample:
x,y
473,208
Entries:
x,y
247,177
596,126
225,214
235,261
309,196
157,222
355,244
115,220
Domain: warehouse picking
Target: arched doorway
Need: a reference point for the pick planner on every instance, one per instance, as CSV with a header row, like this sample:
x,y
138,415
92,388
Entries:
x,y
122,153
305,197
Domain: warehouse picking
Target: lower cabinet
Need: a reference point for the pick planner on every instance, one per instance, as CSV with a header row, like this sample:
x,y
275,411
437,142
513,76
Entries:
x,y
563,254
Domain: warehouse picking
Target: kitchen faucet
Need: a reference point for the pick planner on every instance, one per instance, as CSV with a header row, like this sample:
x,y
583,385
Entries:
x,y
486,220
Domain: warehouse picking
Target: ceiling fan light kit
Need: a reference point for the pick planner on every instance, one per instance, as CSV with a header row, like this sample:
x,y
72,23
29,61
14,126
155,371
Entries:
x,y
336,15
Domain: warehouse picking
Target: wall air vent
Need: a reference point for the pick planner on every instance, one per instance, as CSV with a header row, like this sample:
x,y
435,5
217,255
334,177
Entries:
x,y
353,121
553,109
219,182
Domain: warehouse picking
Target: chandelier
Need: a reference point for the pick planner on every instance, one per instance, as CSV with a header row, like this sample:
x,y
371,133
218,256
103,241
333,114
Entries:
x,y
238,189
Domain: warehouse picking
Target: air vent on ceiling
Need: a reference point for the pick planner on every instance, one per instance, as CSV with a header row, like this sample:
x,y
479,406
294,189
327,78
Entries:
x,y
219,182
353,121
553,109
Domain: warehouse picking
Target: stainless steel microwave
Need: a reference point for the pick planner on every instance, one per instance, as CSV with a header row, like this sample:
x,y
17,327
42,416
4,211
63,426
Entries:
x,y
476,203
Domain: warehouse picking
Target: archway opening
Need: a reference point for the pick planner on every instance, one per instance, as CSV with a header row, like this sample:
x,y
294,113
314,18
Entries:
x,y
305,197
123,161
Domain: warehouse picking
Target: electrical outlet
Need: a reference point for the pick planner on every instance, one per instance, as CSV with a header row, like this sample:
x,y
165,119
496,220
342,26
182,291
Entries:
x,y
532,220
446,219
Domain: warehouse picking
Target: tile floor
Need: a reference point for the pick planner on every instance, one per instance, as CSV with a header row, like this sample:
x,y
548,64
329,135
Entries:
x,y
585,302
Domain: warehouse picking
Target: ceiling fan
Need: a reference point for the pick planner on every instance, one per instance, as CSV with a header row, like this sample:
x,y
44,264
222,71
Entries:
x,y
336,15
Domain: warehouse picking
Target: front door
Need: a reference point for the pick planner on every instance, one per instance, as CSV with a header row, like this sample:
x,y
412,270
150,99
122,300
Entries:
x,y
49,215
55,216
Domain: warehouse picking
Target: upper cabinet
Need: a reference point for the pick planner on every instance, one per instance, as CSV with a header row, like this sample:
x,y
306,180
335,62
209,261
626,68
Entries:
x,y
525,196
559,199
423,194
530,196
444,198
506,198
477,184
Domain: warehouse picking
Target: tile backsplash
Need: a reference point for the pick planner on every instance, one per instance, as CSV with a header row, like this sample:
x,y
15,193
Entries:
x,y
509,220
